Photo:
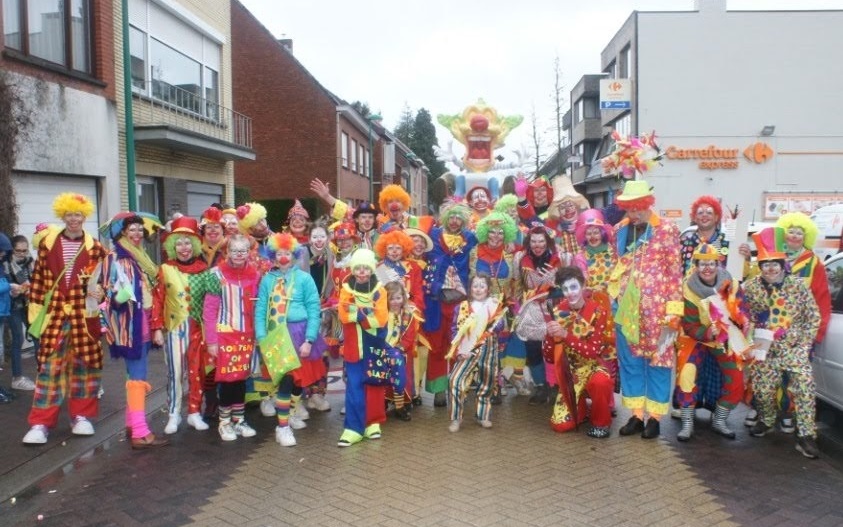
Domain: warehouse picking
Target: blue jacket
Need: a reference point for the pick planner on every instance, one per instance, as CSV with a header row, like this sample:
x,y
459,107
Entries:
x,y
5,287
303,303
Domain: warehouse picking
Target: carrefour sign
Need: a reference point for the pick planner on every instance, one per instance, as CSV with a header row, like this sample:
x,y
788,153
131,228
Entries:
x,y
713,157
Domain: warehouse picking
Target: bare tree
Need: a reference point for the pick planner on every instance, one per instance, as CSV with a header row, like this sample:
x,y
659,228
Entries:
x,y
558,101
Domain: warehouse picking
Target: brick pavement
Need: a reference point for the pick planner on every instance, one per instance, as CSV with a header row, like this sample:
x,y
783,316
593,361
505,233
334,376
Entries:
x,y
517,473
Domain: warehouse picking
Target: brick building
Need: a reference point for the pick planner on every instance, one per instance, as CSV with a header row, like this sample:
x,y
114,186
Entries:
x,y
60,63
301,129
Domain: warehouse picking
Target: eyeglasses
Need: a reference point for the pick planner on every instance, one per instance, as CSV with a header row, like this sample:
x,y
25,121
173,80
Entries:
x,y
707,265
239,251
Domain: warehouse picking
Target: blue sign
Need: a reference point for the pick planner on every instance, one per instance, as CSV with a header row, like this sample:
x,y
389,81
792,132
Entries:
x,y
615,105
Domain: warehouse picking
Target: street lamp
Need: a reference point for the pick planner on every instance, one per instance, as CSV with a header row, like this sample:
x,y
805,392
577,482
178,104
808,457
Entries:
x,y
372,118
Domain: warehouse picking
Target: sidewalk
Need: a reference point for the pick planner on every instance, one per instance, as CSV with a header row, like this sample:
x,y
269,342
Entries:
x,y
21,465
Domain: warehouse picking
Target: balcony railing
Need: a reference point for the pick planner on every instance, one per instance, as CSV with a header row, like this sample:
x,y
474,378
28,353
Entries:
x,y
171,105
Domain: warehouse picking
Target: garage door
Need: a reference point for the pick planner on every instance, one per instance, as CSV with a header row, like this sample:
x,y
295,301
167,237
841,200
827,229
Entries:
x,y
35,194
201,195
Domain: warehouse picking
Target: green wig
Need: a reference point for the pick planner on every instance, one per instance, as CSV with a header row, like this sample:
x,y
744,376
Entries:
x,y
172,238
496,220
506,202
454,209
798,219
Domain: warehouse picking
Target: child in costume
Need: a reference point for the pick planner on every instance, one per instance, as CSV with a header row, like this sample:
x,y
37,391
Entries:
x,y
177,308
364,313
401,334
475,345
229,323
287,311
582,353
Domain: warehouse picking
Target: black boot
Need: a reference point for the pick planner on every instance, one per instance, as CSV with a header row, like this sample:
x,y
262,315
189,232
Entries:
x,y
634,426
439,400
652,430
403,414
540,395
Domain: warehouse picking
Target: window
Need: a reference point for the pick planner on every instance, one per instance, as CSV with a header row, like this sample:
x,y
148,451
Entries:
x,y
624,125
354,155
624,68
366,171
57,31
361,156
173,61
344,149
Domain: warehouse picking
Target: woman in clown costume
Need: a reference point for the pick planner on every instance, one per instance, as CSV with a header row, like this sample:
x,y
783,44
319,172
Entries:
x,y
177,309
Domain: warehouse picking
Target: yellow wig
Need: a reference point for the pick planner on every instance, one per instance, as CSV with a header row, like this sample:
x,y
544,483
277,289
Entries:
x,y
798,219
72,202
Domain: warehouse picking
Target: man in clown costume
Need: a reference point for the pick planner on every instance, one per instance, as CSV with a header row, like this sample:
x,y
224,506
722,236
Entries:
x,y
646,285
70,353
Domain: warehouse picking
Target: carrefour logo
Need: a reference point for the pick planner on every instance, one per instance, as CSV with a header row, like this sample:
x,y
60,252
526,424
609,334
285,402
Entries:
x,y
713,157
758,153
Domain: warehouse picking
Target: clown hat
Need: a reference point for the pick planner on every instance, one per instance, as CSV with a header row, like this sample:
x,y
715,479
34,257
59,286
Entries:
x,y
635,189
538,182
563,190
365,208
770,244
297,209
344,231
428,243
211,215
363,257
592,218
706,251
185,225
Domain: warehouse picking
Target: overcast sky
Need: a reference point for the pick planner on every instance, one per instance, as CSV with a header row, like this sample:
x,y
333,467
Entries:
x,y
444,54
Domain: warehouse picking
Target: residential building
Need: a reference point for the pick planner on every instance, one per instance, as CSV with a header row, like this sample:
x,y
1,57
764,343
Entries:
x,y
742,103
59,58
185,135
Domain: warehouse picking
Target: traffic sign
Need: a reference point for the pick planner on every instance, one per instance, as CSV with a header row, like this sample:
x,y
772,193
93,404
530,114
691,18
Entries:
x,y
615,94
615,105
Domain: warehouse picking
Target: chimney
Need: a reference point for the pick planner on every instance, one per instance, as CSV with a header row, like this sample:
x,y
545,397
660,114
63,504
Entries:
x,y
287,43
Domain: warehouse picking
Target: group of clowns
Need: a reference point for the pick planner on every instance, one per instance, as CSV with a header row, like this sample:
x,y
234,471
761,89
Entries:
x,y
532,294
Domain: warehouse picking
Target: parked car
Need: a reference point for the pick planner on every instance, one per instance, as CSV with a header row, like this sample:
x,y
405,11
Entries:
x,y
828,357
830,222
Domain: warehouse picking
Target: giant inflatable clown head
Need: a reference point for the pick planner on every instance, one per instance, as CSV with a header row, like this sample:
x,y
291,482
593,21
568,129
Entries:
x,y
482,131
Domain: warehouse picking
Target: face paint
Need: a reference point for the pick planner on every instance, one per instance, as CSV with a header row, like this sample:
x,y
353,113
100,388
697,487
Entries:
x,y
318,238
572,289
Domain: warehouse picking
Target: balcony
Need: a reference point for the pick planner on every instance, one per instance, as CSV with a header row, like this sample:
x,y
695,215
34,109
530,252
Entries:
x,y
179,119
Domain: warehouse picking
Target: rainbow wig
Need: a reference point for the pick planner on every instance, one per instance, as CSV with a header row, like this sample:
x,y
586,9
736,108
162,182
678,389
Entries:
x,y
394,237
72,202
711,201
283,241
393,192
798,219
496,220
173,237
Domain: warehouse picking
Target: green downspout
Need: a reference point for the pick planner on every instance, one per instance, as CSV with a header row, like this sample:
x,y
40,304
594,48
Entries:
x,y
129,119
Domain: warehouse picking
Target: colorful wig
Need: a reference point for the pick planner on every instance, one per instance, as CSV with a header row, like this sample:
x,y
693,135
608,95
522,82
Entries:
x,y
72,202
496,220
454,209
394,237
711,201
802,221
173,237
283,241
249,214
506,202
393,192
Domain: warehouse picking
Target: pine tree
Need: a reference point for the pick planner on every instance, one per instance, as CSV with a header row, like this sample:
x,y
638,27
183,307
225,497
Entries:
x,y
422,141
404,129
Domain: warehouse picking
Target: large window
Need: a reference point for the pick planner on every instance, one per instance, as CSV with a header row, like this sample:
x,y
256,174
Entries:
x,y
344,148
57,31
172,61
354,155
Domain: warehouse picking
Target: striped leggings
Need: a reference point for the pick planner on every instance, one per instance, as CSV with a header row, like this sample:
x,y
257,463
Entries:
x,y
185,350
482,365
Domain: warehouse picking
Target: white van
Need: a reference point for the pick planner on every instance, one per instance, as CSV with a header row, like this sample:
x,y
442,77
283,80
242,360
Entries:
x,y
830,222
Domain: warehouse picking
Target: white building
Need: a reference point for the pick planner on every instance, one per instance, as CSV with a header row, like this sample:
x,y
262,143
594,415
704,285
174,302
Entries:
x,y
745,104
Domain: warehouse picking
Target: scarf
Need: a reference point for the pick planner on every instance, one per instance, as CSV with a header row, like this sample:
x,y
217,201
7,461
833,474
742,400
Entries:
x,y
141,257
488,254
592,251
704,290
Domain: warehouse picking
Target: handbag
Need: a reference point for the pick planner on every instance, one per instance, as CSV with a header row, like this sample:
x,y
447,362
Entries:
x,y
279,353
42,319
385,365
234,356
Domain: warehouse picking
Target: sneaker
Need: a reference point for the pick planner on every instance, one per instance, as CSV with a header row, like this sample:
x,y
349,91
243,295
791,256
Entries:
x,y
23,383
301,412
268,407
807,447
173,424
284,436
296,422
342,410
598,432
226,431
37,435
786,425
82,427
751,417
242,428
195,420
319,403
759,429
485,423
454,426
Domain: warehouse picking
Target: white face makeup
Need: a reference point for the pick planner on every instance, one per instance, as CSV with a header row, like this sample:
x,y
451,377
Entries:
x,y
318,238
479,200
572,290
795,238
593,236
479,289
705,217
184,249
538,244
213,233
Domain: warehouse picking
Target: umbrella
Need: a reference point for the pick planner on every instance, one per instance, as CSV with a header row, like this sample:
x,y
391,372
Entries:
x,y
112,227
